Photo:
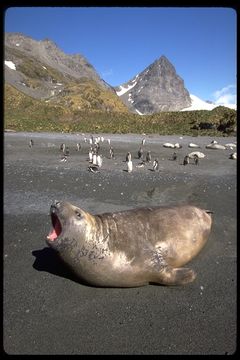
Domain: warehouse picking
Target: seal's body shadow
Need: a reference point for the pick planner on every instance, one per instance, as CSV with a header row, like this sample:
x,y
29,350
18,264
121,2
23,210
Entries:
x,y
48,260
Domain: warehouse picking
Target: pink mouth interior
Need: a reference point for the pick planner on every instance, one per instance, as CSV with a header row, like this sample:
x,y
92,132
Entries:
x,y
57,228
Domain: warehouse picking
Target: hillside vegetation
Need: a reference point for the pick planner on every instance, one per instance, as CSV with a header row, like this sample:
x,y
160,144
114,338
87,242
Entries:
x,y
85,94
23,113
44,82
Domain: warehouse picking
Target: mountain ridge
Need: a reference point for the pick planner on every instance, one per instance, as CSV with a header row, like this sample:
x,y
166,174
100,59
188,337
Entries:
x,y
157,88
40,69
47,51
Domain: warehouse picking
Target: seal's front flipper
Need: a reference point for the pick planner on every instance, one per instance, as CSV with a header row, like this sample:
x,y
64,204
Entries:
x,y
176,276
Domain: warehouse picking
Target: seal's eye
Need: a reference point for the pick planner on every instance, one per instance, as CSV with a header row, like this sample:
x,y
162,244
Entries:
x,y
78,214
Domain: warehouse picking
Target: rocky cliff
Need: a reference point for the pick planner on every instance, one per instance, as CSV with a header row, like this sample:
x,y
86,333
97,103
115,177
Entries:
x,y
41,70
157,88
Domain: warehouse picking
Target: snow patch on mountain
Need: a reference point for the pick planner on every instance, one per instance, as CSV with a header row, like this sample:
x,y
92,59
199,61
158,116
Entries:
x,y
10,64
130,98
124,90
139,113
198,104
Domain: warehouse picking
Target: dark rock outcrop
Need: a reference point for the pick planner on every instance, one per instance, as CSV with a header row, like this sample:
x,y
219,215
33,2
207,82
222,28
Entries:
x,y
157,88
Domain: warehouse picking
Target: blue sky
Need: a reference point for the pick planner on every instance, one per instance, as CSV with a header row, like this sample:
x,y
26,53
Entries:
x,y
120,42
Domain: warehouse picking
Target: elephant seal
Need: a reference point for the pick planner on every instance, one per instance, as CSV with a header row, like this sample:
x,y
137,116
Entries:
x,y
230,145
129,248
215,146
169,145
177,146
192,145
199,154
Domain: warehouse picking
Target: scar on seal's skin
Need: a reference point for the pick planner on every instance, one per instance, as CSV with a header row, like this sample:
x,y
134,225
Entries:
x,y
107,250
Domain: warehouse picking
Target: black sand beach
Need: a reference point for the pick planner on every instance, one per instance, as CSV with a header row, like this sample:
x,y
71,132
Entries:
x,y
47,311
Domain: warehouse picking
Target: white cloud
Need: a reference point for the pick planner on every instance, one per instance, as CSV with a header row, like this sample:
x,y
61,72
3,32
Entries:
x,y
227,99
226,95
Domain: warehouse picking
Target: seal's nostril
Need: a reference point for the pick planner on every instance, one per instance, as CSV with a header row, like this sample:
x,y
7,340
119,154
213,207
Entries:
x,y
54,206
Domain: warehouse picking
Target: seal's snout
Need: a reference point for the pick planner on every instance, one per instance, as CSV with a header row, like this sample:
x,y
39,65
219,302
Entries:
x,y
56,204
55,207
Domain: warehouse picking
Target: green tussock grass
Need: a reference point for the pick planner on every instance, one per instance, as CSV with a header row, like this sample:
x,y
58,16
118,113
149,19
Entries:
x,y
23,113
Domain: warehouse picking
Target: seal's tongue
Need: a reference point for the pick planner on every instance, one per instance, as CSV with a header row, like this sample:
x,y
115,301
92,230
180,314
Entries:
x,y
52,235
57,228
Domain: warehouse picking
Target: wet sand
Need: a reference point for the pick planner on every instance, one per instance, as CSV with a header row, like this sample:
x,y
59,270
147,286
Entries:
x,y
47,311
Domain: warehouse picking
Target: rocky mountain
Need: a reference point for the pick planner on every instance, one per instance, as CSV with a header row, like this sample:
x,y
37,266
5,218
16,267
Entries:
x,y
42,71
157,88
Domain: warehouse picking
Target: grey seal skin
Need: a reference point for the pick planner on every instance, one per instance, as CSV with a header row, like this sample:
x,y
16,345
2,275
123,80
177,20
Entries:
x,y
129,248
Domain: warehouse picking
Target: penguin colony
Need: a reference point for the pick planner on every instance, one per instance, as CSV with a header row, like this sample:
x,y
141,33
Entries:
x,y
143,156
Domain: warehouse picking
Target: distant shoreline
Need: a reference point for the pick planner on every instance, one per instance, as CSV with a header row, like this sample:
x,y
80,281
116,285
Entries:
x,y
83,137
77,133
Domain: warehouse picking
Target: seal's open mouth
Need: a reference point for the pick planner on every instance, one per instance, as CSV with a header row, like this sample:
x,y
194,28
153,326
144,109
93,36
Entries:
x,y
57,228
